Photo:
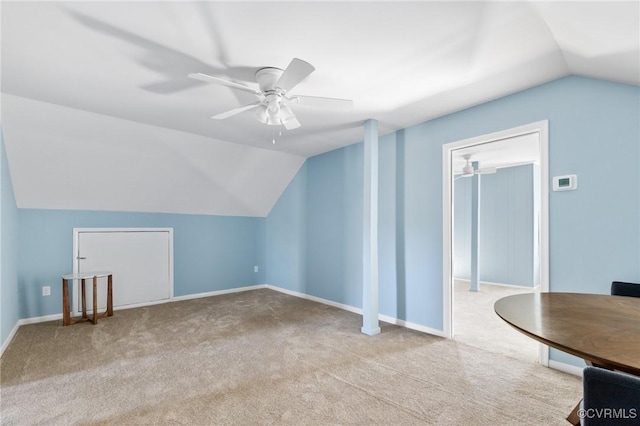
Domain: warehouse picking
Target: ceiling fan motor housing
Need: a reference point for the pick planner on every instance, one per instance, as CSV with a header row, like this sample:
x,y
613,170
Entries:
x,y
267,78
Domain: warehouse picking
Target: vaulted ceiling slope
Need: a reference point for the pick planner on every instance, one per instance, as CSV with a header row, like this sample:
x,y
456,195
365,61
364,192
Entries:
x,y
103,86
63,158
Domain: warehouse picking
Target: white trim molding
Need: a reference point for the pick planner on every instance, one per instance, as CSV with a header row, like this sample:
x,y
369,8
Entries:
x,y
566,368
411,325
76,265
10,337
316,299
353,309
217,293
521,287
542,129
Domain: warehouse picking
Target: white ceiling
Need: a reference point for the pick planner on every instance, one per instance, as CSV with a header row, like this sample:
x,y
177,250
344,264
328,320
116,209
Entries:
x,y
402,63
62,158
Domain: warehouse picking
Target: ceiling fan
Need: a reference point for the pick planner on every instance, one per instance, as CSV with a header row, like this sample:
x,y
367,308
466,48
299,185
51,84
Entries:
x,y
273,104
468,170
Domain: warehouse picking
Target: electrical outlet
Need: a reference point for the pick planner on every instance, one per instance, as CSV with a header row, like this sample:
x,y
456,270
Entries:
x,y
255,268
46,290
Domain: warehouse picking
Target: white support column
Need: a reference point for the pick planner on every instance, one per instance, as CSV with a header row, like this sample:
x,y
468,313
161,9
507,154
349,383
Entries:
x,y
370,323
475,230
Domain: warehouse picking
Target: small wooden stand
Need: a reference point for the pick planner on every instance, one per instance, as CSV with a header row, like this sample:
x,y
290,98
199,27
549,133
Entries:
x,y
82,276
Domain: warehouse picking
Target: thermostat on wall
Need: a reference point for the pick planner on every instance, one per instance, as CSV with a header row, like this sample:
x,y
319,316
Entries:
x,y
565,183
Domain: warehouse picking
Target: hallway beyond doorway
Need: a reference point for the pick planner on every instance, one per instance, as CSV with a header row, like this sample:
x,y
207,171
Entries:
x,y
476,323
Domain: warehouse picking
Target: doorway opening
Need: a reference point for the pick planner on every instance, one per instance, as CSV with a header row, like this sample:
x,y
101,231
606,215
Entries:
x,y
495,241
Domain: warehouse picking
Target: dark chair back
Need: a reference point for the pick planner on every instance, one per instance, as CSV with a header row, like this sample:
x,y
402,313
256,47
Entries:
x,y
619,288
610,398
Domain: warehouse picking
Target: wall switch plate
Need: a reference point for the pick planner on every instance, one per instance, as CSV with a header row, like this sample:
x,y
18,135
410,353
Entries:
x,y
46,290
255,268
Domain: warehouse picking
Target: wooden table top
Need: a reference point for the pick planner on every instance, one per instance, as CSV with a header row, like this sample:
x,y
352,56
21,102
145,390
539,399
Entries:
x,y
602,329
87,274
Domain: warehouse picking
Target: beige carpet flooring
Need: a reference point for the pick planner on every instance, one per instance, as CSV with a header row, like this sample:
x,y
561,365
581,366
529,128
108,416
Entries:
x,y
260,358
475,322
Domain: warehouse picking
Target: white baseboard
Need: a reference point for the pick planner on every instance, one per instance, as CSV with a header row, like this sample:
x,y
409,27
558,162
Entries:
x,y
35,320
217,292
566,368
411,325
465,280
349,308
179,298
381,317
10,337
56,317
316,299
24,321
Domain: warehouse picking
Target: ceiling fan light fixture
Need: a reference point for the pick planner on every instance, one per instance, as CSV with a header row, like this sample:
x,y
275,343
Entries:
x,y
273,112
261,113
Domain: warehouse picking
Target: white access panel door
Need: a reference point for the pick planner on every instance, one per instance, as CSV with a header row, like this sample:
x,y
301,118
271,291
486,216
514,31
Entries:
x,y
139,260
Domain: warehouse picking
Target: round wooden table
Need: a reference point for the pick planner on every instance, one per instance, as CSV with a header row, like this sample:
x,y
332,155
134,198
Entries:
x,y
601,329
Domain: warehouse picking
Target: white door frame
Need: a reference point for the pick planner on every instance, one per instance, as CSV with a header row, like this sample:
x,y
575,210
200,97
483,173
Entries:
x,y
540,127
76,265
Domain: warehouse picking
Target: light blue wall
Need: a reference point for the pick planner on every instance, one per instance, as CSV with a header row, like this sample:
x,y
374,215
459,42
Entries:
x,y
286,237
594,231
594,132
8,250
462,228
506,227
314,232
334,225
210,252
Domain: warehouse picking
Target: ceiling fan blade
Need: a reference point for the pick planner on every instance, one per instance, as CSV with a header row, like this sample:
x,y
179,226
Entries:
x,y
486,171
321,102
235,111
216,80
297,71
291,123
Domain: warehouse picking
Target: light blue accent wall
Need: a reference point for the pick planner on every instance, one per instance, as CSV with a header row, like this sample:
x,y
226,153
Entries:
x,y
537,209
594,132
314,232
286,237
594,232
211,253
506,227
390,224
9,314
476,254
462,228
334,225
